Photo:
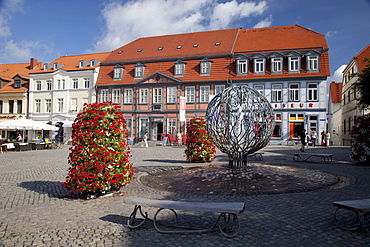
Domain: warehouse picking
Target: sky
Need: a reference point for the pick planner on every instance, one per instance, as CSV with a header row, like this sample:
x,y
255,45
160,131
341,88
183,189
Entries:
x,y
48,29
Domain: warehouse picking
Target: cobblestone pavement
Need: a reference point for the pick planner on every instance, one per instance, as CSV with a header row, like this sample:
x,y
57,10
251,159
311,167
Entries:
x,y
34,212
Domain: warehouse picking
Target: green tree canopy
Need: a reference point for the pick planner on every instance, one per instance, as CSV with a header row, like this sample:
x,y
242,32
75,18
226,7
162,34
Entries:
x,y
363,85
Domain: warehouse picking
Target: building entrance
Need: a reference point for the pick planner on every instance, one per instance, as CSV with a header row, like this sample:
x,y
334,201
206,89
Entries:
x,y
157,131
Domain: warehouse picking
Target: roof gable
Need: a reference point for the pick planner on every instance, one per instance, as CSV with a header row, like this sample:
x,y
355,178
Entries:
x,y
336,92
360,57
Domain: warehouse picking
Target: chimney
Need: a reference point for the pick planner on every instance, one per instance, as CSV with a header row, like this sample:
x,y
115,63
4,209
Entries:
x,y
33,63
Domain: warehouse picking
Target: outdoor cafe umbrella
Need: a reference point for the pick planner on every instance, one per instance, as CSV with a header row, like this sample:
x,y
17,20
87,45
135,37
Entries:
x,y
26,124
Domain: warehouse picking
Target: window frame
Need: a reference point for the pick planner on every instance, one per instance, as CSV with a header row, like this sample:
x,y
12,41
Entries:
x,y
17,83
48,105
294,92
277,93
60,104
276,62
128,96
75,83
117,72
139,70
104,95
116,95
242,66
312,94
38,105
205,67
261,91
179,69
171,95
219,89
294,64
204,92
157,95
38,86
312,63
49,85
143,96
190,96
86,83
259,66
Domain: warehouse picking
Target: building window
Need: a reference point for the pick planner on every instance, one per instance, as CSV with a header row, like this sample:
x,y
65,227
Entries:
x,y
17,83
344,126
1,106
171,125
60,105
144,125
260,89
242,66
190,94
312,92
128,96
75,83
48,105
294,64
143,96
19,106
93,62
259,66
219,89
104,95
116,96
117,72
277,129
11,106
277,65
38,85
73,105
179,68
204,94
294,92
48,85
277,92
87,82
171,94
205,67
312,63
59,84
37,105
157,95
139,70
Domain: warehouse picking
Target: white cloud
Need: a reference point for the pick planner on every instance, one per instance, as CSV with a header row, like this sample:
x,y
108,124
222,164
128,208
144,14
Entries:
x,y
331,34
20,51
337,76
264,23
6,12
143,18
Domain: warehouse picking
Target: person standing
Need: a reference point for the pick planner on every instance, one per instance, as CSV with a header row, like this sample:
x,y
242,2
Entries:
x,y
313,138
303,139
145,139
179,138
327,138
323,138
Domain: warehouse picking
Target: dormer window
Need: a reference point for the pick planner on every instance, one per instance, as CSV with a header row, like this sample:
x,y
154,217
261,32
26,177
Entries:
x,y
179,68
57,66
139,70
294,62
205,66
82,64
242,65
117,72
276,63
259,64
312,63
17,83
93,62
47,66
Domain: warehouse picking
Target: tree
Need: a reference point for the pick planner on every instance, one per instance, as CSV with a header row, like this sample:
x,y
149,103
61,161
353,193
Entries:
x,y
99,156
363,85
199,147
360,139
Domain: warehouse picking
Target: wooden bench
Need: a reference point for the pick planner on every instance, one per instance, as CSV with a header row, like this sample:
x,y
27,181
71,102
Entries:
x,y
327,158
353,215
227,222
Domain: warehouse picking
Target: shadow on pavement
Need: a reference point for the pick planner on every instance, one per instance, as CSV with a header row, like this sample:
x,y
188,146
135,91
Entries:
x,y
51,188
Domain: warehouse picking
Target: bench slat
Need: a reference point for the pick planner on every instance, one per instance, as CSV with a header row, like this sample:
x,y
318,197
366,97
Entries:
x,y
313,154
218,207
355,205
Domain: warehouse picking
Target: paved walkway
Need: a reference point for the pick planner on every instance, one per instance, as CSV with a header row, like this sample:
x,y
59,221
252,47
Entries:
x,y
33,212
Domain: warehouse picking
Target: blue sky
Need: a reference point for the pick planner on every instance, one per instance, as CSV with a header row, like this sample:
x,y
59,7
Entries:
x,y
48,29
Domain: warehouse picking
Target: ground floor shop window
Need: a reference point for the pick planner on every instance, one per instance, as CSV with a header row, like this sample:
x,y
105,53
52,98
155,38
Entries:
x,y
296,125
277,128
143,127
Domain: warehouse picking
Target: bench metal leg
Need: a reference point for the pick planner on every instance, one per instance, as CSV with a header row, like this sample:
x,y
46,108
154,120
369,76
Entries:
x,y
297,158
327,159
347,219
131,222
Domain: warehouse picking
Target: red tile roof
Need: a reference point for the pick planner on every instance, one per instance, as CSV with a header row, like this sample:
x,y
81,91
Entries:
x,y
176,46
72,62
8,71
365,53
336,92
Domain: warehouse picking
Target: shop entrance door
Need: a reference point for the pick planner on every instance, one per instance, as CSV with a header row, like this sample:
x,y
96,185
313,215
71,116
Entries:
x,y
157,131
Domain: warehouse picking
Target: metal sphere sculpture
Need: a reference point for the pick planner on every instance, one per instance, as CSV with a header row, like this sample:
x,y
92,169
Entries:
x,y
239,121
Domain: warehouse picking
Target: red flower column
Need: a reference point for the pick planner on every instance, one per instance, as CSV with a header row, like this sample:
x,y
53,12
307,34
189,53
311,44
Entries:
x,y
99,156
199,147
360,139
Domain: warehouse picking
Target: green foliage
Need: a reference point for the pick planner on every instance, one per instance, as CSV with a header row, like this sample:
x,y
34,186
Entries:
x,y
99,156
363,85
199,147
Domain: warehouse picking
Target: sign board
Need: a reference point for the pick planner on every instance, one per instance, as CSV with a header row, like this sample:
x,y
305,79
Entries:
x,y
165,139
182,109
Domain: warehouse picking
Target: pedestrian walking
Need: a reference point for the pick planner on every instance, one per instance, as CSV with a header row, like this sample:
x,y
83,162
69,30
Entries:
x,y
145,139
323,138
308,138
327,138
313,138
303,139
179,138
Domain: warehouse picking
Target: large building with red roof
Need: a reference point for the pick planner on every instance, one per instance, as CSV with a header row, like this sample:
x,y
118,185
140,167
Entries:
x,y
289,65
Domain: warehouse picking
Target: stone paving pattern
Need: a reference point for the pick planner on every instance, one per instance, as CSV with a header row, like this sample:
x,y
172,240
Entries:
x,y
35,212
